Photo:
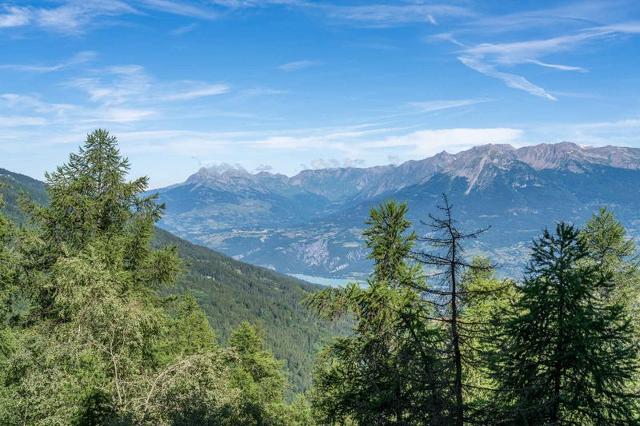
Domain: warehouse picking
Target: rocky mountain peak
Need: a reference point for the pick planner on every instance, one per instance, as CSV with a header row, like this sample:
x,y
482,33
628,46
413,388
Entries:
x,y
573,157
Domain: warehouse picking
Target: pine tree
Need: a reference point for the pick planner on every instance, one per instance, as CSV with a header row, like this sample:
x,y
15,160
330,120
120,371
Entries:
x,y
569,357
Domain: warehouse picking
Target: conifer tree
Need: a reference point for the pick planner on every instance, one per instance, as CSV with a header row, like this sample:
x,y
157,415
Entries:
x,y
384,373
446,262
6,265
258,377
484,299
614,255
96,343
569,356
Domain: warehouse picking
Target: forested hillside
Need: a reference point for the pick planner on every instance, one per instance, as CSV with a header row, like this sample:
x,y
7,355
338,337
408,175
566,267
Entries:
x,y
229,291
14,184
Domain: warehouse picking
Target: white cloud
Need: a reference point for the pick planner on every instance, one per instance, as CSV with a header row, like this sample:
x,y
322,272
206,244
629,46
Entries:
x,y
21,121
622,132
242,4
429,142
77,59
557,66
182,8
131,84
16,101
114,85
14,17
388,15
573,21
184,29
122,115
297,65
512,80
197,90
78,16
484,57
530,50
263,91
432,106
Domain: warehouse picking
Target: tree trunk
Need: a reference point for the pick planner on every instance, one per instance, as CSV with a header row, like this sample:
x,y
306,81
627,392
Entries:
x,y
457,388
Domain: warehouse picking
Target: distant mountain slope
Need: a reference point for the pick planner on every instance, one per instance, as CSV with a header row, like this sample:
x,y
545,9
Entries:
x,y
517,191
227,198
230,292
12,185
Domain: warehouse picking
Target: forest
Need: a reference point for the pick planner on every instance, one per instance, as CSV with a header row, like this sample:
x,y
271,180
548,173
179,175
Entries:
x,y
90,333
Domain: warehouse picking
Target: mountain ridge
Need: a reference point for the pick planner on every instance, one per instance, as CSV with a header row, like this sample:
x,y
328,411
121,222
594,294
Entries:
x,y
468,163
311,223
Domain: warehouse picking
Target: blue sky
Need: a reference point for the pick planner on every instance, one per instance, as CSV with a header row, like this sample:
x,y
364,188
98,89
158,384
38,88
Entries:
x,y
283,85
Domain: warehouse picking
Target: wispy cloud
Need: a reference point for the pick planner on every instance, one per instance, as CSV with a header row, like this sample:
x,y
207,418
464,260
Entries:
x,y
194,90
297,65
184,29
21,121
243,4
557,66
621,132
116,94
122,115
438,105
512,80
131,84
15,101
487,57
80,58
14,17
393,14
428,142
182,8
78,16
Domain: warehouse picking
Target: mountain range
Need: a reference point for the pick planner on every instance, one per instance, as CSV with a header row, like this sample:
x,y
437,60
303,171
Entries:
x,y
311,223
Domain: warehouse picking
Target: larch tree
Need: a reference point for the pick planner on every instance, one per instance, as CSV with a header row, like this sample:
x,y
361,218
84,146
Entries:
x,y
385,372
446,263
569,356
95,342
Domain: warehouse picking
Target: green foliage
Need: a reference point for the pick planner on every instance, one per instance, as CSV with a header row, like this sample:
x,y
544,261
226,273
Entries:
x,y
229,291
387,372
97,343
484,299
386,240
559,349
101,322
614,255
569,355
